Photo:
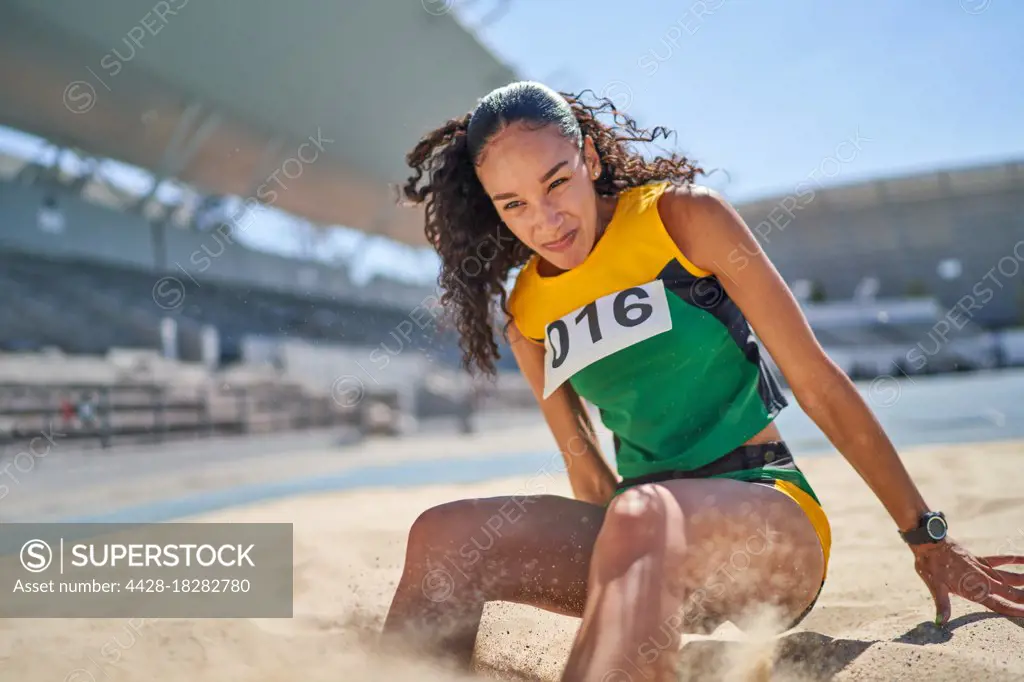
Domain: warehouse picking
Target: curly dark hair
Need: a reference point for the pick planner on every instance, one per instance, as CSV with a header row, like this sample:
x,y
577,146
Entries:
x,y
477,250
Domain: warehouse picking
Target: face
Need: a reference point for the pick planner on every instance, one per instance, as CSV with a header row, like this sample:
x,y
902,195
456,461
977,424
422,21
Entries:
x,y
542,186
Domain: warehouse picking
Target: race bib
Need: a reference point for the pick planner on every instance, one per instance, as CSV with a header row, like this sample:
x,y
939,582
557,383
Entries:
x,y
601,328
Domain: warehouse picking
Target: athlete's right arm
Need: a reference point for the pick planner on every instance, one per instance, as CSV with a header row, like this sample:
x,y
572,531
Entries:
x,y
591,478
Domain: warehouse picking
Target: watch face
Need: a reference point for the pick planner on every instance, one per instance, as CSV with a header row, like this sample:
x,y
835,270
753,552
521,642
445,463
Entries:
x,y
936,528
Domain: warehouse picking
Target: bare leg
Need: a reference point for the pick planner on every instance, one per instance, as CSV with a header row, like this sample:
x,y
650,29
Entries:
x,y
680,556
684,555
530,550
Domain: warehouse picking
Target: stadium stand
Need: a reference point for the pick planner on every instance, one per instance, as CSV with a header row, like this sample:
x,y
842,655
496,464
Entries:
x,y
83,307
908,336
81,332
141,397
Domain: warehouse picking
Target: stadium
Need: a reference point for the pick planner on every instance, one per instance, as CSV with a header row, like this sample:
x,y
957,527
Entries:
x,y
173,297
904,270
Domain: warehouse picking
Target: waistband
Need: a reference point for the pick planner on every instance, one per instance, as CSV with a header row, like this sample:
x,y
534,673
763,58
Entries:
x,y
775,454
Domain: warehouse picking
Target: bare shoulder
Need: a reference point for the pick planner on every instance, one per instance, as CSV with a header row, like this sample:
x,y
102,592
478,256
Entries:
x,y
692,203
697,217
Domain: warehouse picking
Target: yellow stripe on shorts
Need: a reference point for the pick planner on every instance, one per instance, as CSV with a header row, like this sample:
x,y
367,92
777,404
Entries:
x,y
814,512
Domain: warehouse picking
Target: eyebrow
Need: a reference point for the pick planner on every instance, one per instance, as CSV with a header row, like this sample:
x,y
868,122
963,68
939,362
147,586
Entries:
x,y
544,178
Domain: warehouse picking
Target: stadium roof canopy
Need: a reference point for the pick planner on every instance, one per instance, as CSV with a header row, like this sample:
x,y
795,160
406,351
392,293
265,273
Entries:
x,y
222,94
964,181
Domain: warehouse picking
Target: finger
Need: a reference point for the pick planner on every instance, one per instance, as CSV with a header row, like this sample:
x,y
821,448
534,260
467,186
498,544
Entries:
x,y
1003,607
1002,575
1007,577
1004,560
977,585
940,595
1008,592
1014,579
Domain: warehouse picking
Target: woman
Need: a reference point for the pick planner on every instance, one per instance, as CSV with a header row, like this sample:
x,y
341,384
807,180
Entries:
x,y
639,293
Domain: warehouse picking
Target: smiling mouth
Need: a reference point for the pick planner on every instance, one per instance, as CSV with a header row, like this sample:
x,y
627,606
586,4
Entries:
x,y
563,243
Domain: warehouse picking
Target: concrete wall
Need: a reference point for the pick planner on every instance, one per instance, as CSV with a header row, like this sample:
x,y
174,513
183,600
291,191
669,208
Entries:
x,y
91,232
100,234
214,255
901,244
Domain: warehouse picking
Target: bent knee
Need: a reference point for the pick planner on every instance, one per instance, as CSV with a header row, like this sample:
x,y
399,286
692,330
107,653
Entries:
x,y
480,521
642,512
641,523
437,526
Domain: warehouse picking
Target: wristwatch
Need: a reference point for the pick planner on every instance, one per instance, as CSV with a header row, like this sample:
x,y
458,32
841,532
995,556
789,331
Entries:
x,y
931,528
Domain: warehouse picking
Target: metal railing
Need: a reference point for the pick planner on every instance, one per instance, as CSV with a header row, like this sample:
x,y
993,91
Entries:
x,y
147,412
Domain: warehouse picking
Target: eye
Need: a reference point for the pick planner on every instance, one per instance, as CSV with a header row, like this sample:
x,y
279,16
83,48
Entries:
x,y
557,182
512,204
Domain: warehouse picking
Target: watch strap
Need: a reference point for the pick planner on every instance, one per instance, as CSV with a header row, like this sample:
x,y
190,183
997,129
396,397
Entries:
x,y
918,536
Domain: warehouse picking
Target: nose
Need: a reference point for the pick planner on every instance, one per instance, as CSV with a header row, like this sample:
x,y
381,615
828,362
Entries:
x,y
550,215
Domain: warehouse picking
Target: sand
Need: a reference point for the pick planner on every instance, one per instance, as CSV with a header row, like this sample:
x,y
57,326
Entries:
x,y
872,621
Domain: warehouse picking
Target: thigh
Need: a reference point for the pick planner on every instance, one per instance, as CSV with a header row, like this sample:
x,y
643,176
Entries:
x,y
731,545
533,549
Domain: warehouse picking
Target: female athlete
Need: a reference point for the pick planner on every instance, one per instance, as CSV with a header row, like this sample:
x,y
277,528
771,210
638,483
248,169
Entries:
x,y
640,293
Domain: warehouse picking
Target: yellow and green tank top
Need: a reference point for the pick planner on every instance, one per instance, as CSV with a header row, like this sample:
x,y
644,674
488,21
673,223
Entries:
x,y
656,344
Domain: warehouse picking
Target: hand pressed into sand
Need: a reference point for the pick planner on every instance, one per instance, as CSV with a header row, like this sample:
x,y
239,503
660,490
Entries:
x,y
947,567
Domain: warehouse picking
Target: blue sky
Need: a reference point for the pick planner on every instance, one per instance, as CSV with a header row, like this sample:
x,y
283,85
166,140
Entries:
x,y
768,89
773,92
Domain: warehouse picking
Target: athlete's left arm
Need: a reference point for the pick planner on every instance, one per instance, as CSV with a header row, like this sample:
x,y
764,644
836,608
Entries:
x,y
715,238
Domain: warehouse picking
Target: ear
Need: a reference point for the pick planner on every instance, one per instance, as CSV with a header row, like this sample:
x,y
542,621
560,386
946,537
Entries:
x,y
591,158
